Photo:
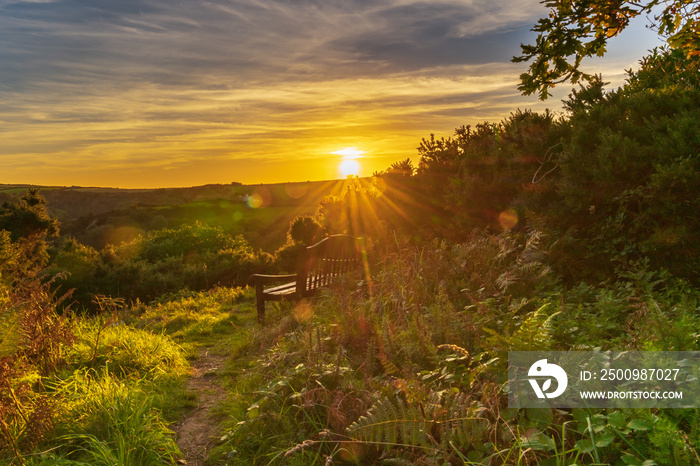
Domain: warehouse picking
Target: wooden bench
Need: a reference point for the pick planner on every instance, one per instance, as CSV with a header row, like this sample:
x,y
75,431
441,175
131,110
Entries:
x,y
317,266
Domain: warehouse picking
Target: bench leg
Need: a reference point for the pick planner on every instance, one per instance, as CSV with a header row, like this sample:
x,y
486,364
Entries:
x,y
260,302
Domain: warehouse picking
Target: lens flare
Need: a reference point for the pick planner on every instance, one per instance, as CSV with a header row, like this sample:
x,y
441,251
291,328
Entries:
x,y
508,219
260,197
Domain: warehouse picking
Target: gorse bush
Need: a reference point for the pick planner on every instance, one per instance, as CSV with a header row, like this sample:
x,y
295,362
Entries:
x,y
25,231
610,182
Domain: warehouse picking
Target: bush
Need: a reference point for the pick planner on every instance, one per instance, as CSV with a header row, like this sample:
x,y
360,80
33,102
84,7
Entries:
x,y
192,257
305,230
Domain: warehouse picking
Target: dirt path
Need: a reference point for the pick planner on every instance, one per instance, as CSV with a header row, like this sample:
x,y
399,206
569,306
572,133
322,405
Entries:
x,y
197,432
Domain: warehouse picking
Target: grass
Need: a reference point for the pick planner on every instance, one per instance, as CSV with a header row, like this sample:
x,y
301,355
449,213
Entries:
x,y
219,319
123,386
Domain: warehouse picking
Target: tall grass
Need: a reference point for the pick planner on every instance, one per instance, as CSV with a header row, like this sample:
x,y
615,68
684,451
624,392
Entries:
x,y
106,404
116,423
126,350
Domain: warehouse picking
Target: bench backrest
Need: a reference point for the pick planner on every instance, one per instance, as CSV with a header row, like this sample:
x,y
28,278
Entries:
x,y
325,260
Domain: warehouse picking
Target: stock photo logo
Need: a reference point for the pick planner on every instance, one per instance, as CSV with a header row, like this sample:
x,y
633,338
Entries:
x,y
542,369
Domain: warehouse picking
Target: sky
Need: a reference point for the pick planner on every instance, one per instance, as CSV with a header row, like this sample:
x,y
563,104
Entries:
x,y
168,93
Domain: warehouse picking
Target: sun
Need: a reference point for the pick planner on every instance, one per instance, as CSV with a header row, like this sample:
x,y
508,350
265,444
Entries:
x,y
348,165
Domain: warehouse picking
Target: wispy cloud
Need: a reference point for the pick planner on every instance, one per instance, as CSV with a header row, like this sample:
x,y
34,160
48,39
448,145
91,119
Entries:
x,y
93,87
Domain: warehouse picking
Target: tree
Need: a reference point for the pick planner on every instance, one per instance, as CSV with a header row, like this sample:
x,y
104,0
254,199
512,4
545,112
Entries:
x,y
305,230
28,227
577,29
402,169
28,217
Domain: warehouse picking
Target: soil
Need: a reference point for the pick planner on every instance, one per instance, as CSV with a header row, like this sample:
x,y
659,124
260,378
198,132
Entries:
x,y
197,432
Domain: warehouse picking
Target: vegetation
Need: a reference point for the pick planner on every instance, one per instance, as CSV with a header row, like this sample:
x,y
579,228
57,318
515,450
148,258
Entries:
x,y
194,257
535,233
576,30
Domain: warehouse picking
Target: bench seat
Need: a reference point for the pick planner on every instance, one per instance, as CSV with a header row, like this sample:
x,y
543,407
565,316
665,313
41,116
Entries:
x,y
317,266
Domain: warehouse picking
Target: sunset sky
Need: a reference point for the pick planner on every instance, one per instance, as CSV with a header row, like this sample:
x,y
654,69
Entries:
x,y
157,93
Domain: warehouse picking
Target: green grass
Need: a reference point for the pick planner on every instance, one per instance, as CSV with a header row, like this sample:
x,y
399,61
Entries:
x,y
127,350
124,382
115,420
214,318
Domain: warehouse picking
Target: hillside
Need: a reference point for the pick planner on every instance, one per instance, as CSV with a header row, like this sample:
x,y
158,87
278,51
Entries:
x,y
261,213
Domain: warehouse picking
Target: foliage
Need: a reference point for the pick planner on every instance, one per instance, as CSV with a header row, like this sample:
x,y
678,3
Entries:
x,y
99,398
573,31
627,174
25,228
409,368
403,168
608,184
305,230
189,316
34,339
663,68
443,418
112,422
28,218
195,257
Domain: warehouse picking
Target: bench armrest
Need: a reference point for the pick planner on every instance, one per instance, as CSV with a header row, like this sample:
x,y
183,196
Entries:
x,y
264,279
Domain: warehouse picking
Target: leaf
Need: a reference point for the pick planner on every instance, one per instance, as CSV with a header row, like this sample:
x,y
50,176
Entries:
x,y
604,439
537,440
584,445
640,424
617,419
253,411
631,460
540,415
446,413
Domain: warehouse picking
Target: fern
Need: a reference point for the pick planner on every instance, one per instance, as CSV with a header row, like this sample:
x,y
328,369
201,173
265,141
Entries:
x,y
445,417
524,263
536,331
391,422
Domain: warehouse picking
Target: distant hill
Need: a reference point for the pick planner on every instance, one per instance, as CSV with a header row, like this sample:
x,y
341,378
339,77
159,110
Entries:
x,y
261,213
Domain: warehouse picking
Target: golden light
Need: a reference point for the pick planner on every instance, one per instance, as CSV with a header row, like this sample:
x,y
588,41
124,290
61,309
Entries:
x,y
349,153
349,166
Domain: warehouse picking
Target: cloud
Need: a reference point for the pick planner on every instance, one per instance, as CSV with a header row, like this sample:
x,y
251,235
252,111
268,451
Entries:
x,y
90,86
229,42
